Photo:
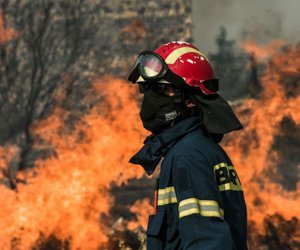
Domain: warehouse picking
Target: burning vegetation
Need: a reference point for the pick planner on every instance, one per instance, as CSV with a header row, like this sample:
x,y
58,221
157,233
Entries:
x,y
64,178
66,197
266,152
66,200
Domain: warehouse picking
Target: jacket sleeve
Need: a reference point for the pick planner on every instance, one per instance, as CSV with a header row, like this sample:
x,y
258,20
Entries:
x,y
200,206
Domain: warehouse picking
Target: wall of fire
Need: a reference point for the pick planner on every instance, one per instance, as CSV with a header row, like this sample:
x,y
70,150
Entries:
x,y
69,121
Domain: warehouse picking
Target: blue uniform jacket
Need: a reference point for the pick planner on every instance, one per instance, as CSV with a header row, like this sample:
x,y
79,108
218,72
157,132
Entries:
x,y
200,203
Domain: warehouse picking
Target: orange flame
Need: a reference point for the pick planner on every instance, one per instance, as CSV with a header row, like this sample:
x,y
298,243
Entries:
x,y
142,209
67,194
251,149
5,34
70,191
264,51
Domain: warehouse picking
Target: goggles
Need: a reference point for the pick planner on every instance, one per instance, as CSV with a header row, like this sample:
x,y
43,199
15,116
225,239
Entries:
x,y
153,68
150,66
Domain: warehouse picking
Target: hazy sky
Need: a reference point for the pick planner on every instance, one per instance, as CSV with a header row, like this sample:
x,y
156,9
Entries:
x,y
258,20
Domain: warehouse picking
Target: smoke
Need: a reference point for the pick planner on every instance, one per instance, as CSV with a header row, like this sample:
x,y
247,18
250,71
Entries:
x,y
259,21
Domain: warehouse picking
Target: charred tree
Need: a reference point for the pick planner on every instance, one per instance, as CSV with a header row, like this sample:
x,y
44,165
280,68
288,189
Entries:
x,y
60,47
237,70
52,54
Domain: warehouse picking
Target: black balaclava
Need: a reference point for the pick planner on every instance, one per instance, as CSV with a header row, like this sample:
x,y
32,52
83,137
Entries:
x,y
160,111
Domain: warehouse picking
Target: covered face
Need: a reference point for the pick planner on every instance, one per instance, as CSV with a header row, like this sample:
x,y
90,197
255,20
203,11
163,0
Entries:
x,y
158,111
182,66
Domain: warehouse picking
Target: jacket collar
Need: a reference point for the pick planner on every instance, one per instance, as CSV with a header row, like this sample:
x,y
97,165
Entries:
x,y
156,146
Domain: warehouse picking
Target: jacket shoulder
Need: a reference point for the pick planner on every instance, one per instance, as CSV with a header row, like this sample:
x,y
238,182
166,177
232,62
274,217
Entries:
x,y
195,142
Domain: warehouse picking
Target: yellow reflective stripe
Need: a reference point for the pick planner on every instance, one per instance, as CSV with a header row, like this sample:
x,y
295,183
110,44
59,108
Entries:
x,y
220,165
207,208
166,190
166,196
229,185
179,52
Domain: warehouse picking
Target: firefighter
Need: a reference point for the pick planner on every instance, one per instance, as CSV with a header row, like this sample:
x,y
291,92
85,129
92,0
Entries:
x,y
199,202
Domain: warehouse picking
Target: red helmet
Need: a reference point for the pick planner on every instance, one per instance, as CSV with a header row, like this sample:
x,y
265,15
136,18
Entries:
x,y
178,63
187,61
